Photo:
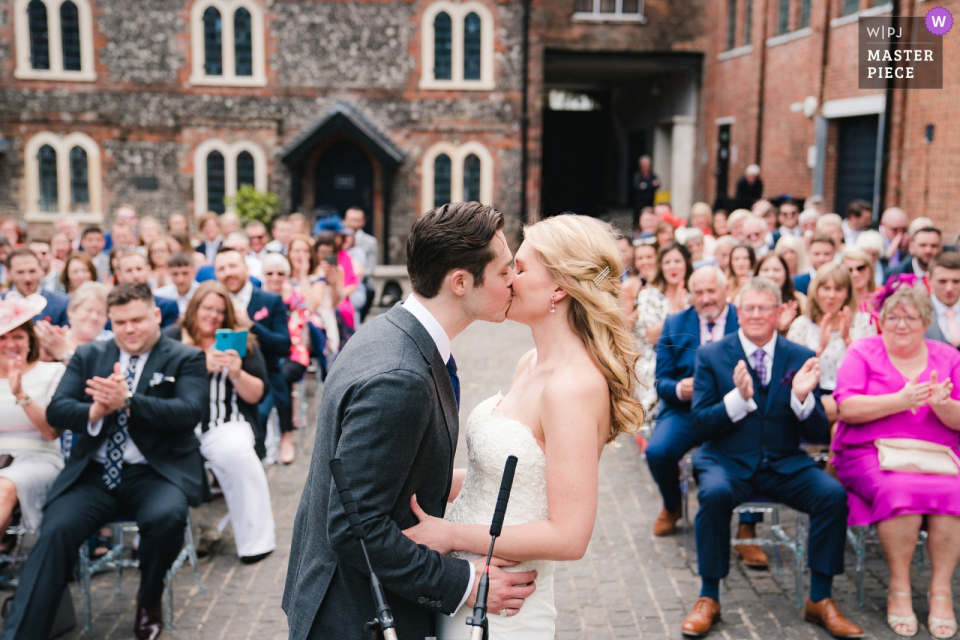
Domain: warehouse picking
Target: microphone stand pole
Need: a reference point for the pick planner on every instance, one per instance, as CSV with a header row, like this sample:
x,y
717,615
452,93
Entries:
x,y
479,618
382,625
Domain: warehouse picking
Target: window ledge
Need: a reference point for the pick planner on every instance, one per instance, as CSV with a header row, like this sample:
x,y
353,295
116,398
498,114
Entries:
x,y
59,76
634,18
866,13
53,217
735,53
789,37
228,81
430,84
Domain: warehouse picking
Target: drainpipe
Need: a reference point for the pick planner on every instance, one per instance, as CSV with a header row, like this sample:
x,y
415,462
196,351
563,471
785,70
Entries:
x,y
763,67
524,118
887,123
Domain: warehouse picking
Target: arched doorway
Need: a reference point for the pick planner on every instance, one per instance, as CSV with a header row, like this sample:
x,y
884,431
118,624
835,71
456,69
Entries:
x,y
343,178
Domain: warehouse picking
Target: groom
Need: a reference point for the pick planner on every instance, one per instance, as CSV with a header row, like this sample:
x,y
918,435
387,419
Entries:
x,y
389,412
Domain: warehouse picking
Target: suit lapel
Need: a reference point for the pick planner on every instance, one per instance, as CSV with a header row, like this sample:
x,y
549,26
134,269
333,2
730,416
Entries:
x,y
733,322
780,357
152,364
692,328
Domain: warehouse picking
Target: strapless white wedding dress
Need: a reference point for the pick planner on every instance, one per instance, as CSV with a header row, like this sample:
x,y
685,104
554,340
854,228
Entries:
x,y
491,437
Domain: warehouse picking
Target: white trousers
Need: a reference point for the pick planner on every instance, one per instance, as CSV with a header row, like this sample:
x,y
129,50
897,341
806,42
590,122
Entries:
x,y
229,450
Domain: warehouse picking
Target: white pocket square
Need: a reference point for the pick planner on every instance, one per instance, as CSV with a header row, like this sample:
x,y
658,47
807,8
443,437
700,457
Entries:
x,y
159,378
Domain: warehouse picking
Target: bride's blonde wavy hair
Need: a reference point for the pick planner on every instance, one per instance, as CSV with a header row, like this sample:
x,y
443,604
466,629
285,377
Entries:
x,y
576,250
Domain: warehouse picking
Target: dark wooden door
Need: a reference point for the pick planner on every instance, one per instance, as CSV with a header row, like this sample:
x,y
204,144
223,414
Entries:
x,y
343,178
856,160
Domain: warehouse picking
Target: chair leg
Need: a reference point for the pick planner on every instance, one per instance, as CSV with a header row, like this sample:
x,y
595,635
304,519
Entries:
x,y
192,555
119,540
801,557
168,601
775,523
860,551
84,568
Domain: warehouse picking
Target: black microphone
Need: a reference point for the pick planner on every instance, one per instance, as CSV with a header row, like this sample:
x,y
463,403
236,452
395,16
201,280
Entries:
x,y
383,623
479,618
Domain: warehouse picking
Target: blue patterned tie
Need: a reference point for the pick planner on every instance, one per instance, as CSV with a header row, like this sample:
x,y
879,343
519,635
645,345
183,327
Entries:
x,y
454,378
114,459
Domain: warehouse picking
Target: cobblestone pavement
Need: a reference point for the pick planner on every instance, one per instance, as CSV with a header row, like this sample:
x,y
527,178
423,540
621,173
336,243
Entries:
x,y
628,585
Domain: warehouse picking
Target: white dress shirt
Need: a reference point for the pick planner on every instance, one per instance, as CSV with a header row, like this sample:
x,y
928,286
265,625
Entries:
x,y
738,408
795,232
131,454
940,310
254,267
849,235
442,341
241,299
274,246
170,292
917,271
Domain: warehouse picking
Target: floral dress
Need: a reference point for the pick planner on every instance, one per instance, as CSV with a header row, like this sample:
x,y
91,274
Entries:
x,y
806,332
297,324
653,307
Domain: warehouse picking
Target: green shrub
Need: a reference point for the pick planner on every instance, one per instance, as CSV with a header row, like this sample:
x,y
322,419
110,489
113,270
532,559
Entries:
x,y
251,204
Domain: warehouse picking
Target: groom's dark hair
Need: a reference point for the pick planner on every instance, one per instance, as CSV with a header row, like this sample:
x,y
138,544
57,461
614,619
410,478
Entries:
x,y
454,236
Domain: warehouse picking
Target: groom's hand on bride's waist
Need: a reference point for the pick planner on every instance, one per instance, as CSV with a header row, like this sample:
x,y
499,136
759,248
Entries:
x,y
508,589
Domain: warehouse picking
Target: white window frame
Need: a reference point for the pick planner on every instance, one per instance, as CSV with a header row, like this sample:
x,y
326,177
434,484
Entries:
x,y
25,71
458,13
62,145
227,8
616,15
457,154
230,151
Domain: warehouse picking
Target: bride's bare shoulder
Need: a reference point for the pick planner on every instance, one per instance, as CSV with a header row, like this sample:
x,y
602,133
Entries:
x,y
527,361
579,384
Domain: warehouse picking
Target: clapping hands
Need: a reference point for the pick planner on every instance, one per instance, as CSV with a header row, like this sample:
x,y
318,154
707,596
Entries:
x,y
109,394
939,393
807,379
916,394
743,380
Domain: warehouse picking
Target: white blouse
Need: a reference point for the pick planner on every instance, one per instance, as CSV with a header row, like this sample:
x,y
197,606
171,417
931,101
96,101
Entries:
x,y
16,430
806,332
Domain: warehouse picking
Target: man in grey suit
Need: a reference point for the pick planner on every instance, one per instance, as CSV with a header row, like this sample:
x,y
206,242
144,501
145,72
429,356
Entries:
x,y
945,287
389,412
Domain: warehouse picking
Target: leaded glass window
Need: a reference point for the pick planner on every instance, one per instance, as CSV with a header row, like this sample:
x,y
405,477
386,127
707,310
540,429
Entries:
x,y
471,47
79,182
441,180
47,163
70,36
243,42
246,171
216,182
442,47
471,178
212,42
39,35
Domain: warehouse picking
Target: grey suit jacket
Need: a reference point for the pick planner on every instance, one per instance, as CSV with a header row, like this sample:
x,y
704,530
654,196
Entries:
x,y
388,411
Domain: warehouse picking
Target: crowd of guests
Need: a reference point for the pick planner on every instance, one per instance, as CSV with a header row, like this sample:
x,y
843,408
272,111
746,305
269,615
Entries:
x,y
779,327
114,393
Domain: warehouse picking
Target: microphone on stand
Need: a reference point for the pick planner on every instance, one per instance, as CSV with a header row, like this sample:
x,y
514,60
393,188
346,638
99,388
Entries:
x,y
383,623
479,618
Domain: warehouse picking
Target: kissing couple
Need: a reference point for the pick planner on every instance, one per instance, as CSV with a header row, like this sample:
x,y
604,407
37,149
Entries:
x,y
389,411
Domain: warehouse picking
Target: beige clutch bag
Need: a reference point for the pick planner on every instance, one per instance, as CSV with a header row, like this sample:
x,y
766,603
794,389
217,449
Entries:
x,y
908,455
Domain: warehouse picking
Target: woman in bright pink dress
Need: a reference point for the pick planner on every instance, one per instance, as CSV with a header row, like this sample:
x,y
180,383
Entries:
x,y
900,385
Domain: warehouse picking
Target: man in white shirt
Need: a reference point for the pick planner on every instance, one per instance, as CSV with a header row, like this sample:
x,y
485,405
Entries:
x,y
356,220
282,232
859,217
945,286
257,236
925,245
182,273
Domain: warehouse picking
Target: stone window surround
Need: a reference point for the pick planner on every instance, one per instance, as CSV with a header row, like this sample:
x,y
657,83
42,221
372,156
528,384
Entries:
x,y
617,15
62,145
230,151
458,13
227,8
457,153
24,70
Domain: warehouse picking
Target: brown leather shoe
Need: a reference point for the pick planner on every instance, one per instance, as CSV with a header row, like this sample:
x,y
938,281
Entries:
x,y
826,614
666,522
148,624
751,555
705,613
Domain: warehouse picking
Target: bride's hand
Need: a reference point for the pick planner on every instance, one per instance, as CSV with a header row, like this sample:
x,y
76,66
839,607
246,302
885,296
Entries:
x,y
435,533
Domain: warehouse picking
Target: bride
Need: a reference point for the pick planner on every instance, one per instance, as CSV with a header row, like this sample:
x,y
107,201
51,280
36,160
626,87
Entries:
x,y
570,396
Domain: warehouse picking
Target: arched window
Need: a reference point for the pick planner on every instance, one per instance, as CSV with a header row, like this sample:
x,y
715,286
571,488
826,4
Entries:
x,y
471,47
39,35
212,42
471,178
246,169
243,42
216,182
79,182
441,180
47,164
442,47
70,36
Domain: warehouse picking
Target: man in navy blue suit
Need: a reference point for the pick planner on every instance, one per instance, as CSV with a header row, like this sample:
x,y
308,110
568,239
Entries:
x,y
133,268
822,250
267,317
26,274
707,320
755,395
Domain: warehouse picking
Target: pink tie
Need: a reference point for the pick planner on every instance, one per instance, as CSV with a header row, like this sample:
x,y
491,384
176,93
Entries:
x,y
952,327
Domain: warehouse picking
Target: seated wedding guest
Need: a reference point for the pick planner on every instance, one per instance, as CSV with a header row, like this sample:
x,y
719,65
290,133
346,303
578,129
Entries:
x,y
945,294
257,233
93,243
132,404
158,257
831,224
830,323
328,243
808,224
25,274
861,271
179,241
230,223
774,267
707,320
182,284
239,242
740,270
133,268
298,224
41,249
664,234
720,224
79,269
122,236
701,217
643,272
754,396
755,233
721,254
26,386
871,243
276,279
791,249
788,219
735,224
896,240
148,230
60,249
925,245
265,315
237,385
692,239
821,250
629,280
282,231
10,229
892,386
87,313
211,238
666,294
177,222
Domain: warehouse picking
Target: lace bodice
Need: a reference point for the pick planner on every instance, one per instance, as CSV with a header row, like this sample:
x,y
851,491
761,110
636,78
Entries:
x,y
491,437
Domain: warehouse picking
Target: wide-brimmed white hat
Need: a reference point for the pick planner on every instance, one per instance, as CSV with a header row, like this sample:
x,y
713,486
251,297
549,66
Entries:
x,y
14,313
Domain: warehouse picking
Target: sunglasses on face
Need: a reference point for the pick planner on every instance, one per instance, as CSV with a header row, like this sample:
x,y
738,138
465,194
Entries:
x,y
259,237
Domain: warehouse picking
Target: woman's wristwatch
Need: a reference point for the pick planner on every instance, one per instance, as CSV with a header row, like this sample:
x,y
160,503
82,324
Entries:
x,y
65,358
24,401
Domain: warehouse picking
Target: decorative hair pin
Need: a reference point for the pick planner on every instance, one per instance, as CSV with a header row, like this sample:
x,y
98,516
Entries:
x,y
603,274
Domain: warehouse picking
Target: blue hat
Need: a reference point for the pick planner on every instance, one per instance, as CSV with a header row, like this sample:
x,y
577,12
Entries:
x,y
333,223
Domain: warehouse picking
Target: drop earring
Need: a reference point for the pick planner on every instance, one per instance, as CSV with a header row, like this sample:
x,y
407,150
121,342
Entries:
x,y
553,301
